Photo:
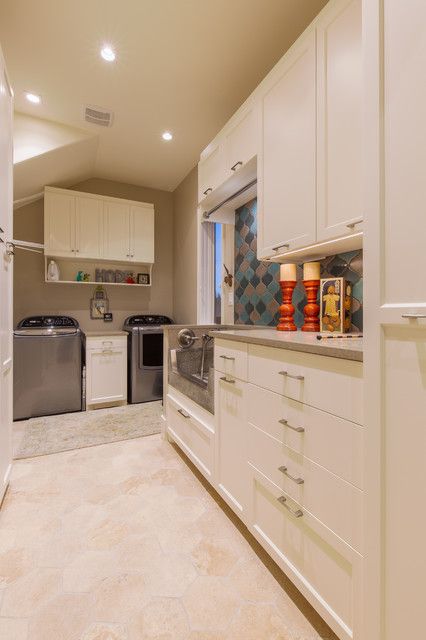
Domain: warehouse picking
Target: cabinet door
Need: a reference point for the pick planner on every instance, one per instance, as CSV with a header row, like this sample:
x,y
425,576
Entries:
x,y
106,375
59,224
211,171
240,142
117,231
340,129
142,233
89,227
231,450
286,162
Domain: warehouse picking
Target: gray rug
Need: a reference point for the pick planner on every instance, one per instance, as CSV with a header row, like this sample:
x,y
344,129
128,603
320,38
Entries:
x,y
51,434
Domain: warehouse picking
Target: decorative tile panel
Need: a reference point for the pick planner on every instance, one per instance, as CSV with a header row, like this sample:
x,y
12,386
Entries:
x,y
257,289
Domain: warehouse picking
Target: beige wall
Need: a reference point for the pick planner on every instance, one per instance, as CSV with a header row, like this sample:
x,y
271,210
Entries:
x,y
33,296
185,250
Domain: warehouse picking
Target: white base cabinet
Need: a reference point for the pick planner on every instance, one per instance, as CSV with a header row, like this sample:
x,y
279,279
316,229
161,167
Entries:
x,y
106,370
286,451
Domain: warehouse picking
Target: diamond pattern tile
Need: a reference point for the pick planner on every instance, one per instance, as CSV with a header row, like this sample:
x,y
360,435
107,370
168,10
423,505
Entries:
x,y
257,290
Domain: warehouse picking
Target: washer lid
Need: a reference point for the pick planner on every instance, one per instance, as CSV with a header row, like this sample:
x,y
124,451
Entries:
x,y
47,331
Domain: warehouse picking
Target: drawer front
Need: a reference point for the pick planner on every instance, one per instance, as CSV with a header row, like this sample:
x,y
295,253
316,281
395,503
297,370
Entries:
x,y
333,501
195,438
331,384
314,565
332,442
106,342
231,358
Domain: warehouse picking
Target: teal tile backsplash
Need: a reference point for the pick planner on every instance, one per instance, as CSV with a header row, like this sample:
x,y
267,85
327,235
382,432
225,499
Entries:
x,y
257,291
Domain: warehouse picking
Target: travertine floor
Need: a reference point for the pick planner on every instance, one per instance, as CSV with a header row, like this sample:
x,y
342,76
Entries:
x,y
123,542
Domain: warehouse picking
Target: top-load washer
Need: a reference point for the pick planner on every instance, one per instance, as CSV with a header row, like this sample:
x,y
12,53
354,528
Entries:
x,y
47,366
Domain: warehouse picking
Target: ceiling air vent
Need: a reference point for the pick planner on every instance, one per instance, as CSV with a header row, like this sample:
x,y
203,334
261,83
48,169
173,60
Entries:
x,y
97,115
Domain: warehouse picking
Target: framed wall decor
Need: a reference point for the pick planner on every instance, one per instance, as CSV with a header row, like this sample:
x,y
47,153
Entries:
x,y
143,278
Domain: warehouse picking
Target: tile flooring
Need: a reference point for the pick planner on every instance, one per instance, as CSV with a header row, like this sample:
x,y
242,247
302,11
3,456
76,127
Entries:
x,y
124,542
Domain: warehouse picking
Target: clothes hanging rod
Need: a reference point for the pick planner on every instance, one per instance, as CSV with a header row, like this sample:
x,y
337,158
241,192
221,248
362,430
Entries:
x,y
207,214
27,245
21,202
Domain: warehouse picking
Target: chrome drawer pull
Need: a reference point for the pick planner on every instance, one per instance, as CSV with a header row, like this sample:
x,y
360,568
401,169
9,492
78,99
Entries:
x,y
298,513
289,375
207,191
281,246
286,473
413,315
290,426
239,163
227,357
183,413
225,379
352,225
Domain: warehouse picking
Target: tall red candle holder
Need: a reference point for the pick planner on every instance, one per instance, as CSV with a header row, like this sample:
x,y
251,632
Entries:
x,y
286,321
312,309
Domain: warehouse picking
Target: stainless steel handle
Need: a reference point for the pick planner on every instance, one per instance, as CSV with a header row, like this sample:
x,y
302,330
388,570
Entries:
x,y
290,426
107,352
239,163
281,246
413,315
284,470
105,342
225,379
289,375
297,513
207,191
352,225
1,230
183,413
227,357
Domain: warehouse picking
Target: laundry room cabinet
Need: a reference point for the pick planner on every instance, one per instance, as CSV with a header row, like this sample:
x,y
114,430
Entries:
x,y
106,370
89,226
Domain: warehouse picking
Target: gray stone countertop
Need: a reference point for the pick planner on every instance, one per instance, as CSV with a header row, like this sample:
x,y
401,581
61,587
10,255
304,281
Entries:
x,y
346,348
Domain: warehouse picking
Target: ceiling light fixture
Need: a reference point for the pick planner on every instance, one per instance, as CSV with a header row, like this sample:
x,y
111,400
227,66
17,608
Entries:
x,y
167,135
108,53
32,97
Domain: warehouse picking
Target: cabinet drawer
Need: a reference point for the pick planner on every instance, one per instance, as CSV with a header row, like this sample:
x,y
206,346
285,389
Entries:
x,y
106,343
332,442
331,384
333,501
323,571
193,436
231,358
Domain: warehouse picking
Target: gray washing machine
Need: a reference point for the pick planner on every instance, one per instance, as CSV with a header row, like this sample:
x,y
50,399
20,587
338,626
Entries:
x,y
47,366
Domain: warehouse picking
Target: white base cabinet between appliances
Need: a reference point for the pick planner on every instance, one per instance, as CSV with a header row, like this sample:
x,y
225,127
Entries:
x,y
106,370
287,449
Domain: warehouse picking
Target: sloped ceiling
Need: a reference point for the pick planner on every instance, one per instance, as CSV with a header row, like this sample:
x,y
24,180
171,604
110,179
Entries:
x,y
182,65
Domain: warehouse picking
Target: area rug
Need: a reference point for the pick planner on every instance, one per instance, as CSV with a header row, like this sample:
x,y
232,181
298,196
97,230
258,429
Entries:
x,y
51,434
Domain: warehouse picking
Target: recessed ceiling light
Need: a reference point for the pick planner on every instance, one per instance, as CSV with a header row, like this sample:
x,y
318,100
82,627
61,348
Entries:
x,y
32,97
108,53
167,135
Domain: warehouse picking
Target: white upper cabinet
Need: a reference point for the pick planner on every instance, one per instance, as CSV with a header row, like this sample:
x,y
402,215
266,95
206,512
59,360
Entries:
x,y
117,230
286,159
88,233
340,130
142,233
240,141
79,225
211,170
59,224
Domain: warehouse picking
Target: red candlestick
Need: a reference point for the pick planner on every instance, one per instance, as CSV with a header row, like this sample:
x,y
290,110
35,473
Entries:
x,y
286,322
312,309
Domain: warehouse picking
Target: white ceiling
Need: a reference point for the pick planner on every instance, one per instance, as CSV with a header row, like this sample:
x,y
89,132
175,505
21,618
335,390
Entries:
x,y
182,65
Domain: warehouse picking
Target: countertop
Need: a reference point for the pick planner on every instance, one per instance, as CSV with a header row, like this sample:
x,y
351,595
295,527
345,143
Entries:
x,y
346,348
104,334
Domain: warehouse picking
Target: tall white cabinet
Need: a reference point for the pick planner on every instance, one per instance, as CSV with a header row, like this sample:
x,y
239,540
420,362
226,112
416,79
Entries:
x,y
395,318
286,160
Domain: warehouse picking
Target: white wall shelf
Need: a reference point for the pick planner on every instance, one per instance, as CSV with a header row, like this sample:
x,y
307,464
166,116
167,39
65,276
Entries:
x,y
68,269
